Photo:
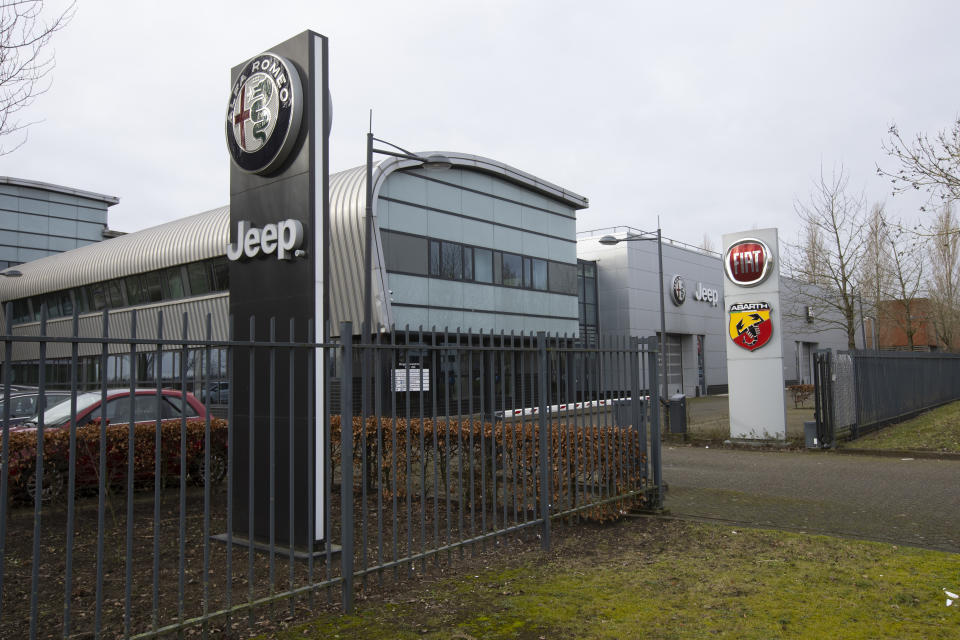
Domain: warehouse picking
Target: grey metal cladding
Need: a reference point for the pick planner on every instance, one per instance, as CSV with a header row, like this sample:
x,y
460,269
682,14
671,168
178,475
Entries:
x,y
347,203
205,235
190,239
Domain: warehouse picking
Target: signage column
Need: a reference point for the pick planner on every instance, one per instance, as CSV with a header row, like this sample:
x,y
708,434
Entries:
x,y
751,288
277,126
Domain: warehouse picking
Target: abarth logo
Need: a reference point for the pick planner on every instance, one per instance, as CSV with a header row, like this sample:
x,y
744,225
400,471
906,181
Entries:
x,y
750,325
264,114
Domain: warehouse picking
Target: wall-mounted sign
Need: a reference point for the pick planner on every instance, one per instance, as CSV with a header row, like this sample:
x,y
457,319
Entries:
x,y
264,114
748,262
678,290
750,325
284,238
411,379
703,294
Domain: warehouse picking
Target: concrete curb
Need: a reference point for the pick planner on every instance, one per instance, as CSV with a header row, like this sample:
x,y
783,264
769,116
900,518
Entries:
x,y
900,453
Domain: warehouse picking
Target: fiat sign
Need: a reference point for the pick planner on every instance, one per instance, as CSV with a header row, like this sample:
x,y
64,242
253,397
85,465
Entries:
x,y
748,262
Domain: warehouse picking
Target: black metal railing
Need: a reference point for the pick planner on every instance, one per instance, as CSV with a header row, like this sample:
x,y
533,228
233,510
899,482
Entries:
x,y
861,391
143,520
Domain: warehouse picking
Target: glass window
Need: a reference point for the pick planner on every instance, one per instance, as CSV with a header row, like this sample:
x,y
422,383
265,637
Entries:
x,y
434,258
80,299
562,278
21,310
173,283
539,274
52,301
404,253
498,267
451,260
467,263
65,303
483,265
220,268
114,293
197,274
512,269
135,292
526,273
152,290
95,297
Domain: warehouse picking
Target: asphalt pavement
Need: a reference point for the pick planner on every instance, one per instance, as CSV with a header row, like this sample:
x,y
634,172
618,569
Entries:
x,y
914,502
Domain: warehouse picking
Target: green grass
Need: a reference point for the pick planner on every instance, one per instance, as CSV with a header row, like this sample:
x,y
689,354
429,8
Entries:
x,y
935,430
670,579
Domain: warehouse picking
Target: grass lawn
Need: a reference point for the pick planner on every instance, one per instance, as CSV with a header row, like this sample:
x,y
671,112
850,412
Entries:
x,y
935,430
646,577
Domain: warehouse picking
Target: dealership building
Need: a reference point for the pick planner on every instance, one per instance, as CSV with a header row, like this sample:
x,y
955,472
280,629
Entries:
x,y
480,249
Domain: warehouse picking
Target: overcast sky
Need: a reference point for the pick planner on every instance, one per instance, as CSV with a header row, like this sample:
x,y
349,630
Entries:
x,y
714,116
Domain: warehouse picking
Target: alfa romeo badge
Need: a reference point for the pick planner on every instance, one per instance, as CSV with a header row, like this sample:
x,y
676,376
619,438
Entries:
x,y
264,114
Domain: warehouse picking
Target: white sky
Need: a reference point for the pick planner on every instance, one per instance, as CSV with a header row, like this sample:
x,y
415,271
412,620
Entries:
x,y
714,116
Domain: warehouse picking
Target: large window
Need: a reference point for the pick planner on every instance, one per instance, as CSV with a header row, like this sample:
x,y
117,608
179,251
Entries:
x,y
172,283
416,255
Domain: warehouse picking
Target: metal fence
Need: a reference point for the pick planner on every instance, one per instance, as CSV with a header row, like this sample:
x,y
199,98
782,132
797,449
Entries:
x,y
860,391
139,524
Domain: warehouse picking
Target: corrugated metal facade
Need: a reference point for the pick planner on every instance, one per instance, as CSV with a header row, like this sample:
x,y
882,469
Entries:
x,y
206,235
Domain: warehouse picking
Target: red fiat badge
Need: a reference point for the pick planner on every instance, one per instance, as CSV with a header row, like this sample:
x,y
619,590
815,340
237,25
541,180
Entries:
x,y
747,262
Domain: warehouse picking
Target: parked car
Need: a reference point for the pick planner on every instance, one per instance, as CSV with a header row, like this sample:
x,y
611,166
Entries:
x,y
219,393
24,404
170,406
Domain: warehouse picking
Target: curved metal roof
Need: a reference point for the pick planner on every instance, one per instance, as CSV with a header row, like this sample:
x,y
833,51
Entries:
x,y
206,235
196,237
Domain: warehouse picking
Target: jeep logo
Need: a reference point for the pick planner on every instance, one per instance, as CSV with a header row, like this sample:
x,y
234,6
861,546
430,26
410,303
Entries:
x,y
283,238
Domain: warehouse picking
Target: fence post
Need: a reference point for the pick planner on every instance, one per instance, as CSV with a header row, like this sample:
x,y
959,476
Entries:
x,y
544,372
346,464
654,388
636,404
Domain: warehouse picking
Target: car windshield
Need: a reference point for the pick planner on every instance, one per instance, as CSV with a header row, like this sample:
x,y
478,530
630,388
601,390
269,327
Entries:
x,y
60,414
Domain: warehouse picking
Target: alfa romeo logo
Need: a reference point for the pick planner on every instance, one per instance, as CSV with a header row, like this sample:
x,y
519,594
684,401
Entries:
x,y
264,114
678,290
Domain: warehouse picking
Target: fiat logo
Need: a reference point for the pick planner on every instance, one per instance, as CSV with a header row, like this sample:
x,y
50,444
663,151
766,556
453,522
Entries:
x,y
748,262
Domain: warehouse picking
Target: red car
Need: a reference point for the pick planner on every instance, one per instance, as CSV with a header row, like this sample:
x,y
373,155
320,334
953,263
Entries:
x,y
170,406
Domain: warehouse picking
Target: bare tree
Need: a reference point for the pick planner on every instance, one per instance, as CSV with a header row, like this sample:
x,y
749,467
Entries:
x,y
826,262
25,60
875,269
944,281
926,164
707,243
904,283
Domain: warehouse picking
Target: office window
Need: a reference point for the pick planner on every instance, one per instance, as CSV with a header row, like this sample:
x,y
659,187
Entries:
x,y
173,283
113,291
562,278
21,310
512,270
498,267
434,258
451,260
95,296
199,278
467,263
539,274
483,265
405,253
220,271
526,273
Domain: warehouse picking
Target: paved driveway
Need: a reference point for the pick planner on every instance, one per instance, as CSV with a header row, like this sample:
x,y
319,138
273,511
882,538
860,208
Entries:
x,y
912,502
